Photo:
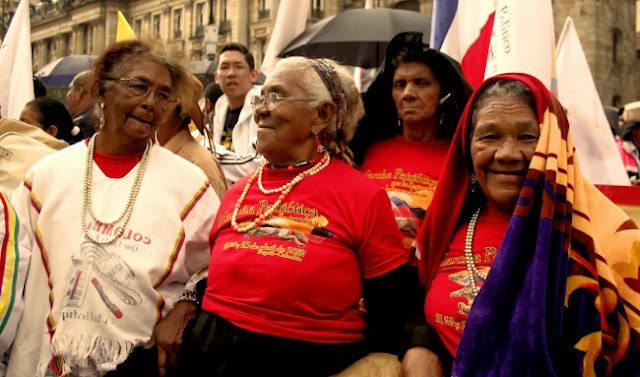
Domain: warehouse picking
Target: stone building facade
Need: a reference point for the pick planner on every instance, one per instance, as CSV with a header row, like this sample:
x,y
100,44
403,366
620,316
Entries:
x,y
607,29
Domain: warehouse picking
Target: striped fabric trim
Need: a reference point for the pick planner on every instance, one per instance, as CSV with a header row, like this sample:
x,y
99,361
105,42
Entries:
x,y
192,203
177,246
9,260
159,308
51,325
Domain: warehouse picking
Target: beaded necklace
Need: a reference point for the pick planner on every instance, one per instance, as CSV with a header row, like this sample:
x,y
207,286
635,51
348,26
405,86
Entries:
x,y
283,190
86,196
468,254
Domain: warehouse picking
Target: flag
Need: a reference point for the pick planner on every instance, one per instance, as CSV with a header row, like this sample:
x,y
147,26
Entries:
x,y
364,77
16,72
291,20
600,161
124,32
522,40
462,30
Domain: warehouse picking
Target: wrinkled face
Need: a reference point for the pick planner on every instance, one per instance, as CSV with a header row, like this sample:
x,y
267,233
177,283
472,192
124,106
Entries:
x,y
285,128
31,115
79,98
415,92
234,75
503,141
133,116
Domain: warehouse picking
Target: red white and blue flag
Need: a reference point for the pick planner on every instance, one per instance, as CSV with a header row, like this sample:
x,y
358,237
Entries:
x,y
462,30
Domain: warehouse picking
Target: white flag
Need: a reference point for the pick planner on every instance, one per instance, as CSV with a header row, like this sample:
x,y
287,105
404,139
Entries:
x,y
16,73
600,161
522,40
291,20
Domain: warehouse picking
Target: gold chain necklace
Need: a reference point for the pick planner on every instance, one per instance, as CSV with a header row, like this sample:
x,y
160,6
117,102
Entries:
x,y
86,196
284,190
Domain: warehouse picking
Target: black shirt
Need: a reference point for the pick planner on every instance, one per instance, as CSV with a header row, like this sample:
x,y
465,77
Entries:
x,y
229,123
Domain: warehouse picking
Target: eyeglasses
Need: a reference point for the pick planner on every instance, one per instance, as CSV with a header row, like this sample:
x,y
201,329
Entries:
x,y
272,99
140,88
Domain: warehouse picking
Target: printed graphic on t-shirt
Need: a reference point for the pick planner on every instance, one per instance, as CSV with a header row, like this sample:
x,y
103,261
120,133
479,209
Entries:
x,y
410,195
94,270
226,139
295,223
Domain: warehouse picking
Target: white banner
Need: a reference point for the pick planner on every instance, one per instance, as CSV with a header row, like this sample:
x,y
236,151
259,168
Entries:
x,y
16,72
599,159
522,40
291,20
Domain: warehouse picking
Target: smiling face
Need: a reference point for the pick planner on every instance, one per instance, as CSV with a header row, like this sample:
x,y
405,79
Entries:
x,y
416,93
136,118
503,141
285,133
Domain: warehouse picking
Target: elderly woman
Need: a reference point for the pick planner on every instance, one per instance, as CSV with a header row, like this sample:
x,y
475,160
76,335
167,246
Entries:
x,y
529,269
107,267
412,110
295,245
52,117
174,134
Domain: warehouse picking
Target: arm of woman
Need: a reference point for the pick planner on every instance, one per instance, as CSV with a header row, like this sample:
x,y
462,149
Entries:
x,y
387,299
168,332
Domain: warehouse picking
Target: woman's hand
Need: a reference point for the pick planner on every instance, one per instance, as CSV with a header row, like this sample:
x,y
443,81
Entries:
x,y
420,362
168,332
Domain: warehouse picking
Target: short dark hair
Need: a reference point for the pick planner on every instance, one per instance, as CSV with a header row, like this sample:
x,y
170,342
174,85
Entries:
x,y
53,112
233,46
212,92
39,90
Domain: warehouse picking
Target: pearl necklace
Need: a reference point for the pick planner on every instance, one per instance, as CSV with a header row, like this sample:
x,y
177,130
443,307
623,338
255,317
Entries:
x,y
283,190
295,180
468,254
86,196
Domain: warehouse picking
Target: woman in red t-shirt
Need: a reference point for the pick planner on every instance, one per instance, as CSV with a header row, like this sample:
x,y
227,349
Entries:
x,y
412,110
528,267
296,244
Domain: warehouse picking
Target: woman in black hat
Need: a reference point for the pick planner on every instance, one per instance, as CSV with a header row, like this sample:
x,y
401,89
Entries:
x,y
412,109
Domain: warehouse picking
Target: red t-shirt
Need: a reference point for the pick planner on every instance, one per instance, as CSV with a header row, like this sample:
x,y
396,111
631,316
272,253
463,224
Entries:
x,y
115,166
299,275
450,297
408,171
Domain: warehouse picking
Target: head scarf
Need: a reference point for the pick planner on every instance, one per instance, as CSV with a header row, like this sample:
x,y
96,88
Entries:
x,y
563,296
381,116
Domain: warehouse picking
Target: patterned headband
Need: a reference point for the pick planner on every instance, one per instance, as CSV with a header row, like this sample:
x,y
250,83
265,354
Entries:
x,y
332,81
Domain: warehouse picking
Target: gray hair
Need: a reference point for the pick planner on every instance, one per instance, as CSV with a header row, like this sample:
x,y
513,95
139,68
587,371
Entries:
x,y
503,88
313,85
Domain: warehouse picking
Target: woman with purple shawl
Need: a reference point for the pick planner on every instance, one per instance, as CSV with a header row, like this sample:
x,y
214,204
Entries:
x,y
529,269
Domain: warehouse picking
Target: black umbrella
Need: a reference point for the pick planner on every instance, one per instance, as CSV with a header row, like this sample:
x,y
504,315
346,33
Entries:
x,y
356,37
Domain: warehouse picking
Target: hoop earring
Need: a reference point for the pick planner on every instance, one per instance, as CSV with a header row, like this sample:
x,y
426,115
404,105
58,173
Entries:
x,y
319,147
101,115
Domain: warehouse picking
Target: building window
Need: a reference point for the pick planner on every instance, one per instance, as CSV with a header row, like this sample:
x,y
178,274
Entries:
x,y
177,23
263,9
617,38
88,40
616,101
156,25
137,27
199,21
224,16
317,8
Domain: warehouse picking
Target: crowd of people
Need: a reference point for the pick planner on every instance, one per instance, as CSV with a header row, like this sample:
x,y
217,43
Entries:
x,y
301,228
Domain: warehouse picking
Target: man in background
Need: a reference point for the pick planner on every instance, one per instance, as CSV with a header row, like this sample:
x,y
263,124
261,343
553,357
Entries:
x,y
81,105
234,130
